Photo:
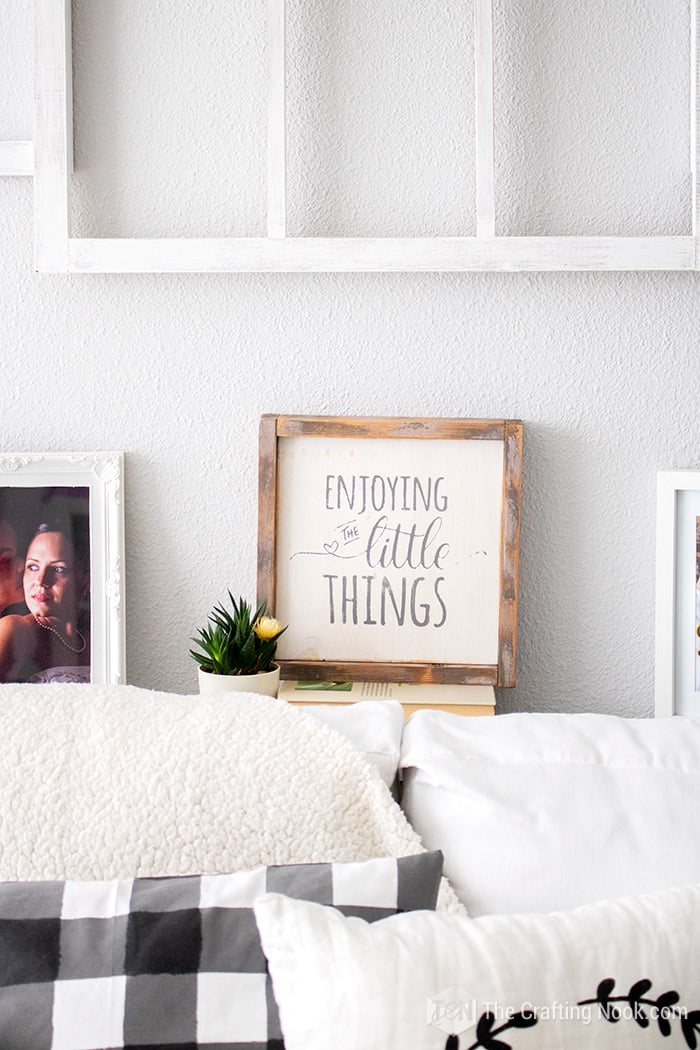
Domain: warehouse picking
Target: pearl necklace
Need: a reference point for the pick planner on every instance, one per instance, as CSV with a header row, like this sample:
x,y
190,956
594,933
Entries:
x,y
48,627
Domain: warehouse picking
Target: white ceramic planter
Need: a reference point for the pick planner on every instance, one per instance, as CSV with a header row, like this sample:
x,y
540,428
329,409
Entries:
x,y
266,683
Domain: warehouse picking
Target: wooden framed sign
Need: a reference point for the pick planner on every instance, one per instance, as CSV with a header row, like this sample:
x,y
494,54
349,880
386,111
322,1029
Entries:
x,y
390,547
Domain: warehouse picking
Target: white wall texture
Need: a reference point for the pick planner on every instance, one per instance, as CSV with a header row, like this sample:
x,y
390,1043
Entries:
x,y
592,105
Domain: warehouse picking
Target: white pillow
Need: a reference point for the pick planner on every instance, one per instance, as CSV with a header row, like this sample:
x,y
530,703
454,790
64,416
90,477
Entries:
x,y
122,780
427,981
535,812
374,727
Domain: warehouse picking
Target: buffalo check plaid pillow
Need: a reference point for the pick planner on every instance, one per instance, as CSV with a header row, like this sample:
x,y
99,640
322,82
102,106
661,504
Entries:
x,y
171,962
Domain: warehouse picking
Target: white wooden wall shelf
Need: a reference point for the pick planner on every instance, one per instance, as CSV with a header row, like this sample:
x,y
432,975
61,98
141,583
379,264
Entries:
x,y
57,252
16,158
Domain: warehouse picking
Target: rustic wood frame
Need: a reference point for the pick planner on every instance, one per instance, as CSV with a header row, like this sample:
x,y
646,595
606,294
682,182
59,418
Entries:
x,y
57,251
509,431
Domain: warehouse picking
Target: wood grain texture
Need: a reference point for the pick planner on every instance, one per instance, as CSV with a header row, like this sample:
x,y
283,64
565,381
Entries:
x,y
267,512
370,671
389,427
512,501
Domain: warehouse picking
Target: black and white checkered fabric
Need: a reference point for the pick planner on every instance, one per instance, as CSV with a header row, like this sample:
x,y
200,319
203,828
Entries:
x,y
173,962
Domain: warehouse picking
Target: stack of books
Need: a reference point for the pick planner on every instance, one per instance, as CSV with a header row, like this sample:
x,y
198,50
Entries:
x,y
458,699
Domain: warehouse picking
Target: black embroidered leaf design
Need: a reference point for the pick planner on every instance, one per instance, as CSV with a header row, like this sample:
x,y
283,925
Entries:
x,y
605,989
665,1004
635,994
664,1007
603,993
525,1019
486,1033
690,1026
485,1036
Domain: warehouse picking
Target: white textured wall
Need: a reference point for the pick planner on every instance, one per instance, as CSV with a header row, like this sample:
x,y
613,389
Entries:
x,y
175,370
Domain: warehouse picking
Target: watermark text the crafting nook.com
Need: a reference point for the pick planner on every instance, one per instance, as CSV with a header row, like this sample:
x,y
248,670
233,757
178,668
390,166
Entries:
x,y
454,1011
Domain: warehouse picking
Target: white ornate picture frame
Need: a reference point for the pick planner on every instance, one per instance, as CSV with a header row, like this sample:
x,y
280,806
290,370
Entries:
x,y
86,487
677,664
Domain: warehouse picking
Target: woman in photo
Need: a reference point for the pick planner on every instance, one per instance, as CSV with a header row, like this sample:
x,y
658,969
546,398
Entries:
x,y
11,593
47,644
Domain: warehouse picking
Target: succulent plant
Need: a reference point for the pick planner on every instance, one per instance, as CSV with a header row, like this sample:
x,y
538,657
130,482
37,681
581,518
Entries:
x,y
239,642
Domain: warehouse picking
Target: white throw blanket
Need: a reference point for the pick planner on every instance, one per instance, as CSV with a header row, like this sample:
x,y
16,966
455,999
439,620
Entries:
x,y
98,782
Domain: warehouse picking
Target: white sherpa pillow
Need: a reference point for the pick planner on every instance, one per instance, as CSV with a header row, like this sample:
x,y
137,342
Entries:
x,y
101,782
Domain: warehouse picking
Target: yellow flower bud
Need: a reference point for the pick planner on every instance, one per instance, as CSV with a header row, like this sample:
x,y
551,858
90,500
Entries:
x,y
267,627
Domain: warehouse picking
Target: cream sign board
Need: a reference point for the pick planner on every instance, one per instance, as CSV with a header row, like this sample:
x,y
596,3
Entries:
x,y
388,550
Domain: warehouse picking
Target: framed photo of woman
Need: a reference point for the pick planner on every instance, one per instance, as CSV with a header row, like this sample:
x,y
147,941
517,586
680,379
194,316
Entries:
x,y
61,567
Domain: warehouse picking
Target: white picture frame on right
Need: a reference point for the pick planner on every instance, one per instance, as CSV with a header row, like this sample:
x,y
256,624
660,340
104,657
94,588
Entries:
x,y
677,662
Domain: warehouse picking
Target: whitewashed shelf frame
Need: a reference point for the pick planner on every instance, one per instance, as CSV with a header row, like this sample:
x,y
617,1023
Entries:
x,y
16,158
56,251
695,112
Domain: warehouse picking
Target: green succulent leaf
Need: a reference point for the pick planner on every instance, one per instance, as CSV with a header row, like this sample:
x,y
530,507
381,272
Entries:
x,y
228,644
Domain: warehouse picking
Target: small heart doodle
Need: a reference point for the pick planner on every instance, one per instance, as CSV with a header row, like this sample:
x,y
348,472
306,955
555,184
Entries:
x,y
331,548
